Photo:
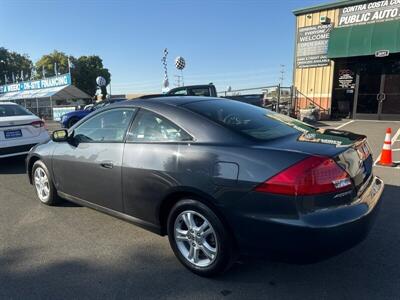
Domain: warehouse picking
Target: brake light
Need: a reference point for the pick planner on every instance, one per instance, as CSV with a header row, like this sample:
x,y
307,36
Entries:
x,y
311,176
37,124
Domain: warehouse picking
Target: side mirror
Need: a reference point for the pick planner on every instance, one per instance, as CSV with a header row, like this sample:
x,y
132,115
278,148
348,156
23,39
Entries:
x,y
60,135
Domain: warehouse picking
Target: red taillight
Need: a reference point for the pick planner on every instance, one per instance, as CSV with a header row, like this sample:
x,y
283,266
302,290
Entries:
x,y
37,124
311,176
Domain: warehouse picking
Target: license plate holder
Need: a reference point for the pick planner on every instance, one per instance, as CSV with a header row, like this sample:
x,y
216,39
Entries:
x,y
12,134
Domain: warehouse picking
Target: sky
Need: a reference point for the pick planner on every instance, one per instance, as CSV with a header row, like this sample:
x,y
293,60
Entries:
x,y
228,42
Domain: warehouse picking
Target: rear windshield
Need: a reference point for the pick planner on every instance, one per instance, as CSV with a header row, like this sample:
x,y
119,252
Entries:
x,y
9,110
250,120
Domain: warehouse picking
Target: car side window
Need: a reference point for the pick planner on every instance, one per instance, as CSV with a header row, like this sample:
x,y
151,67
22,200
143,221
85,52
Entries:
x,y
181,92
205,92
108,126
150,127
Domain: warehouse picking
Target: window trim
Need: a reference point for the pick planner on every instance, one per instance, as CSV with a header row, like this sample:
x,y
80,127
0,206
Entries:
x,y
105,110
135,121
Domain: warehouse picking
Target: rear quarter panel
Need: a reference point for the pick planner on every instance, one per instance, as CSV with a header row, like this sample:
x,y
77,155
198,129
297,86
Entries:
x,y
210,169
223,174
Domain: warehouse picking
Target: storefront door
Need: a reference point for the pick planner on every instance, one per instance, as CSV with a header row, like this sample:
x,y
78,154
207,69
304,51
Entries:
x,y
391,93
378,94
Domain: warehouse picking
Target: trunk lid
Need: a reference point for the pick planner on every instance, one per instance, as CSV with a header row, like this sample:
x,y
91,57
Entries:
x,y
18,127
349,150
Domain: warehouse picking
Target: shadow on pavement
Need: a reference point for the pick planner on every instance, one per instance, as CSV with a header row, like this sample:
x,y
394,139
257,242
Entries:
x,y
382,245
148,270
12,165
66,203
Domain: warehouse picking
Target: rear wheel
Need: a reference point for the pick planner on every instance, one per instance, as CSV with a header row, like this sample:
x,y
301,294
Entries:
x,y
199,239
43,184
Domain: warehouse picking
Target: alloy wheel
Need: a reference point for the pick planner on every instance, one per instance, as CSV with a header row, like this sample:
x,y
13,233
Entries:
x,y
42,184
195,238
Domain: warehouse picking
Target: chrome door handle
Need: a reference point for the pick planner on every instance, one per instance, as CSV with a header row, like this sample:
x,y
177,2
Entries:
x,y
107,165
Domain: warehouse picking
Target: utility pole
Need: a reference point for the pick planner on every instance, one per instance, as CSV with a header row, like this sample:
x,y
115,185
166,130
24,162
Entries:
x,y
282,76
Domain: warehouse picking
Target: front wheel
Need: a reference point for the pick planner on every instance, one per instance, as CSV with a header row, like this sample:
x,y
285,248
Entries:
x,y
43,184
199,239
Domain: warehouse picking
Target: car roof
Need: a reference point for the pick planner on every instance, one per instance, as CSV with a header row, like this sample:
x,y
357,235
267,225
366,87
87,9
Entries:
x,y
195,124
193,86
8,103
171,100
115,99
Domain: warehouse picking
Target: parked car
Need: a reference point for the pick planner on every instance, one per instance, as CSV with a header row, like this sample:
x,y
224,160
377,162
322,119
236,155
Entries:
x,y
219,177
20,130
254,99
208,90
69,119
204,90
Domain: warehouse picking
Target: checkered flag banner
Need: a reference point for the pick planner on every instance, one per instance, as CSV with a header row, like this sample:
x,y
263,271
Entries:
x,y
164,62
180,63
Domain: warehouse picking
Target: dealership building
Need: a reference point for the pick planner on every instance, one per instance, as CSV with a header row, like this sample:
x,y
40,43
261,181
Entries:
x,y
48,98
347,59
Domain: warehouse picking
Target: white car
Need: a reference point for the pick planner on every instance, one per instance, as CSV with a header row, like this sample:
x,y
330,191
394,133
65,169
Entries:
x,y
20,130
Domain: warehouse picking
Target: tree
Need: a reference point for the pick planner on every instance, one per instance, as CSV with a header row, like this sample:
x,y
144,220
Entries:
x,y
49,61
85,71
14,63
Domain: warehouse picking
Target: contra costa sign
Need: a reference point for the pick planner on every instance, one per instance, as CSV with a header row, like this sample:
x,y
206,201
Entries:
x,y
55,81
312,46
368,13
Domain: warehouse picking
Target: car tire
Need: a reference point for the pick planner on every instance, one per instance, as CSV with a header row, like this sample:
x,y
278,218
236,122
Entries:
x,y
72,122
206,250
43,184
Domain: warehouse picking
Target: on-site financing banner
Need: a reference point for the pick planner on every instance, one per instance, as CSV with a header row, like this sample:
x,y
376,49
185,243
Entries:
x,y
61,80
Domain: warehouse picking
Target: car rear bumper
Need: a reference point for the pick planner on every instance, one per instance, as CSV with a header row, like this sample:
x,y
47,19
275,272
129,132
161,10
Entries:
x,y
326,230
15,151
21,146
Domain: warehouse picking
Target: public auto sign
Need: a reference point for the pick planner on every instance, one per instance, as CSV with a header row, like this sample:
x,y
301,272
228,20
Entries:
x,y
61,80
370,12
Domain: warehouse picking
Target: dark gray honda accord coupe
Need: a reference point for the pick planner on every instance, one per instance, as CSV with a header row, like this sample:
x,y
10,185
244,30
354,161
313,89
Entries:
x,y
219,177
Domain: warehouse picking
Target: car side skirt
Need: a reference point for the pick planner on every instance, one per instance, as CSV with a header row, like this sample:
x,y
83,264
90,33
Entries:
x,y
138,222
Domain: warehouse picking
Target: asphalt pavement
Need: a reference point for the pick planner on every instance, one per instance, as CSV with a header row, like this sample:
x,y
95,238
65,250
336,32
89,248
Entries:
x,y
70,251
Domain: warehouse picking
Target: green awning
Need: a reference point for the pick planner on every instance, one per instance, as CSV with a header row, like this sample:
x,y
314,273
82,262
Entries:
x,y
362,40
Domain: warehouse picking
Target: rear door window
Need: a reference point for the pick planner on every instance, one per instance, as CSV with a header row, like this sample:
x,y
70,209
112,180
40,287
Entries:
x,y
249,120
150,127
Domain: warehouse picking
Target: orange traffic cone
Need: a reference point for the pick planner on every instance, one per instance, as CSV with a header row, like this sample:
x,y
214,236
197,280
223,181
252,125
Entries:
x,y
386,154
